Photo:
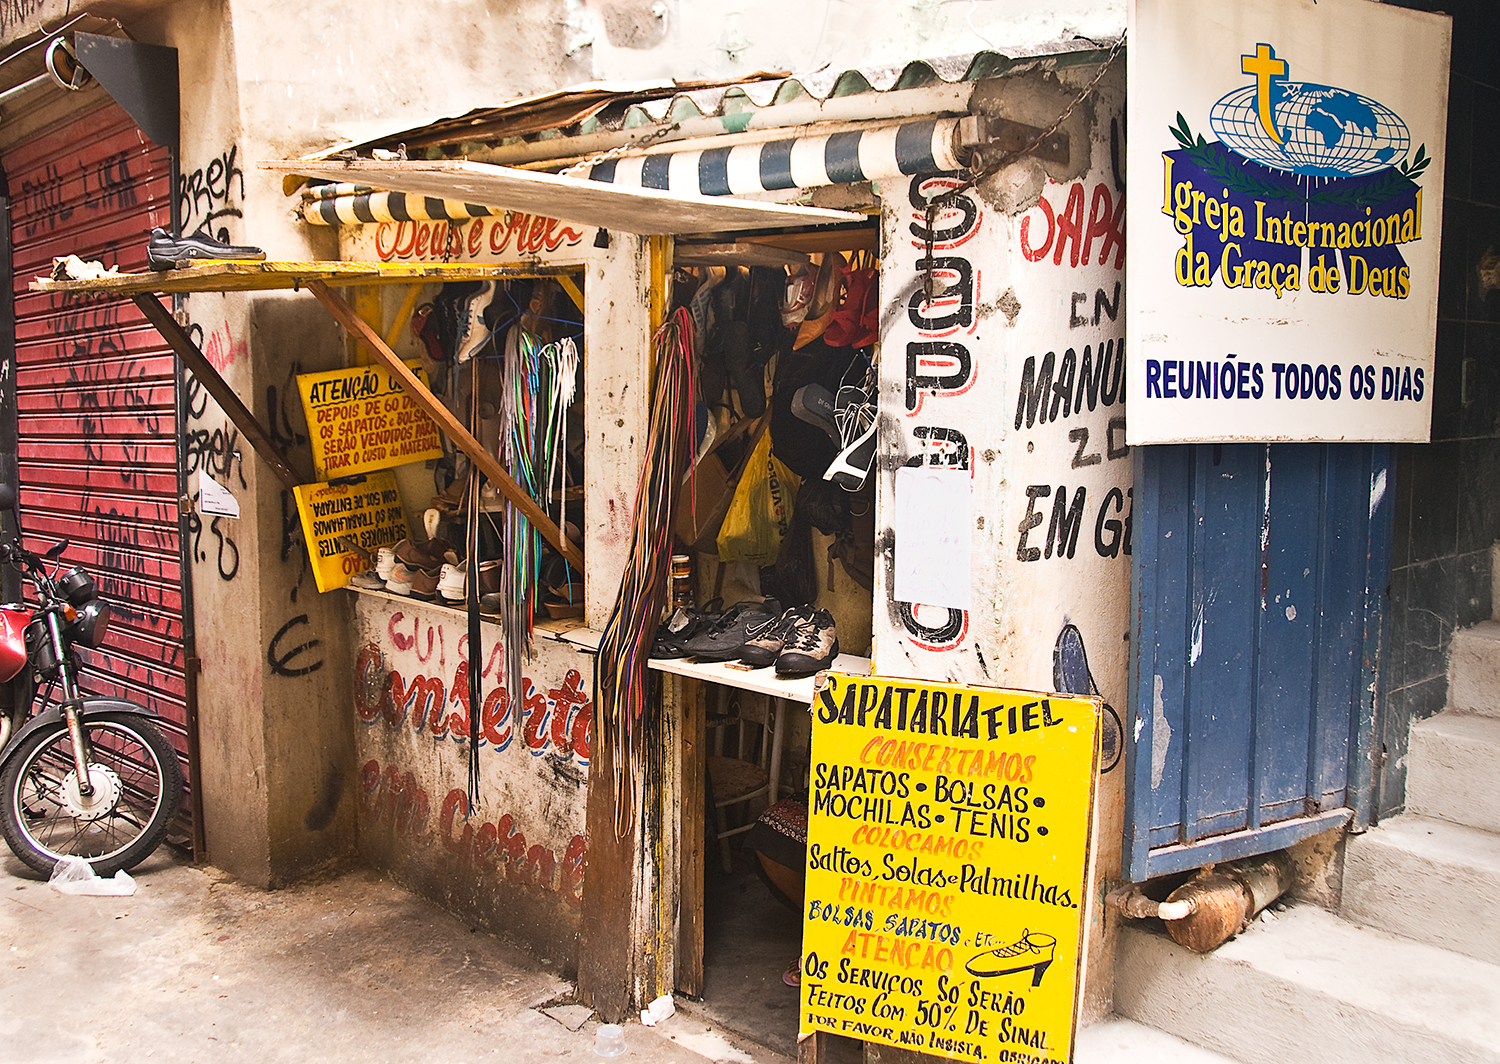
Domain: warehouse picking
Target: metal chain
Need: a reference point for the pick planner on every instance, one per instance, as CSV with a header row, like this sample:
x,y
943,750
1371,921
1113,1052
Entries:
x,y
977,174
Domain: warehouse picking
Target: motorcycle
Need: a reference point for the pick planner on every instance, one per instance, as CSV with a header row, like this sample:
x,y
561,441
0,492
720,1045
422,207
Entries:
x,y
86,777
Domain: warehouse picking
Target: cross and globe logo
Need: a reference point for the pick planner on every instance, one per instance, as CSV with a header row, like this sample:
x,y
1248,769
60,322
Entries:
x,y
1303,128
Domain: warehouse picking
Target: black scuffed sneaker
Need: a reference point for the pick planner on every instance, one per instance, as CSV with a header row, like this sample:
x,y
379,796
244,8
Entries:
x,y
684,623
726,637
810,646
166,252
763,649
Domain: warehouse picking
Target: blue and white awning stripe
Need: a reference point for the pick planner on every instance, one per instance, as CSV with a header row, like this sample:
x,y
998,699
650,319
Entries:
x,y
347,204
925,147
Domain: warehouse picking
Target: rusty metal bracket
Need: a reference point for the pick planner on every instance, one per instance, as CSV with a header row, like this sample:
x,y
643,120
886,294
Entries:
x,y
989,139
485,462
216,386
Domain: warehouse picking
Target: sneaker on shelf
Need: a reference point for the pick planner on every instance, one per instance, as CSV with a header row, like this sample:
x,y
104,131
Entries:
x,y
369,580
763,649
385,558
726,637
399,582
453,581
166,252
684,623
429,555
424,583
810,646
855,413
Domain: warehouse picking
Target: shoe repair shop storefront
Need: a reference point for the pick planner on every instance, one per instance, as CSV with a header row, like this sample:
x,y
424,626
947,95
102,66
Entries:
x,y
972,415
984,537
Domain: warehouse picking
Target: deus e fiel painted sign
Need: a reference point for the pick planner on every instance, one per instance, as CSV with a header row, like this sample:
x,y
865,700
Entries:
x,y
1283,233
948,846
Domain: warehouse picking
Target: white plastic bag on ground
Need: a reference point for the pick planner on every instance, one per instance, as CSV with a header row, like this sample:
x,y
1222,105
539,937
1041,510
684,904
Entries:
x,y
74,875
660,1009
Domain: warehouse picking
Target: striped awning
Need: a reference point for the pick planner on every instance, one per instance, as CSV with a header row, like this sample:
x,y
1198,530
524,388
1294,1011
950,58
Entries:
x,y
925,147
870,154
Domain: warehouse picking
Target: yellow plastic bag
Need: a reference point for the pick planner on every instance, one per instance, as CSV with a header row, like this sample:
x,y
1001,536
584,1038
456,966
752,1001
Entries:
x,y
761,510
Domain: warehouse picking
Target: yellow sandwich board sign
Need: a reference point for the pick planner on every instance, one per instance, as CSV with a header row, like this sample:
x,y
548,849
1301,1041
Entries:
x,y
948,843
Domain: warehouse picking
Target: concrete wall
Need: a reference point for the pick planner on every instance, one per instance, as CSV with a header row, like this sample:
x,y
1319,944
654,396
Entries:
x,y
1447,510
990,378
515,862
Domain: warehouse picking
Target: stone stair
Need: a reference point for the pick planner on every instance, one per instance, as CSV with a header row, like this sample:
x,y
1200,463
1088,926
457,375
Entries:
x,y
1410,968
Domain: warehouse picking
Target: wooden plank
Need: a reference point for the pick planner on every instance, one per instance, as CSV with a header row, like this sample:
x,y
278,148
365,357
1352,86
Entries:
x,y
225,276
217,386
606,951
743,253
487,463
692,833
862,238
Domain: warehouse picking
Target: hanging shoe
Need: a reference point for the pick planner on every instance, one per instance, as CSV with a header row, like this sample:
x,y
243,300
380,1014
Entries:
x,y
425,328
824,302
799,293
813,404
167,252
810,646
855,413
473,332
852,325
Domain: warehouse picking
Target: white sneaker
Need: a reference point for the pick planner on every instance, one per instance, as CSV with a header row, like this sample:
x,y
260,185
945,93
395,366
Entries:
x,y
385,558
453,581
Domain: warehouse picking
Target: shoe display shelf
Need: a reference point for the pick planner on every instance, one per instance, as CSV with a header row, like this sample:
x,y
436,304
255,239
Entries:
x,y
763,681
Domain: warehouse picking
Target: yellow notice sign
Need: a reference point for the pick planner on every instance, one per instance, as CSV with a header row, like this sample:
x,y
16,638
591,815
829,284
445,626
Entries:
x,y
364,510
361,419
948,842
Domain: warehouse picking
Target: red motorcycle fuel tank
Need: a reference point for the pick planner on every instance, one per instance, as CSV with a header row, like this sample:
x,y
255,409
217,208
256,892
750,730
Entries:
x,y
13,622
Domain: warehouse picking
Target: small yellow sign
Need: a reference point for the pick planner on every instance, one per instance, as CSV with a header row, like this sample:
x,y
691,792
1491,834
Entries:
x,y
365,511
948,844
360,419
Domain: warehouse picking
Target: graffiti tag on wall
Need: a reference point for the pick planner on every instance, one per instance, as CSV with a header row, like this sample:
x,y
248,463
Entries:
x,y
392,798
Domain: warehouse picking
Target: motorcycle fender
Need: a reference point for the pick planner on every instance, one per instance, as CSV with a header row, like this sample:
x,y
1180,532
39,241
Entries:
x,y
91,707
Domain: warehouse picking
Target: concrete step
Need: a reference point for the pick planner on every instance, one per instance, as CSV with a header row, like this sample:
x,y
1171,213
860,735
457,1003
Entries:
x,y
1427,880
1121,1041
1450,769
1307,986
1474,670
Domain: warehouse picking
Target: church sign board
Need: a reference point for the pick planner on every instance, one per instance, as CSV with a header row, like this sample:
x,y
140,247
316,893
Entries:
x,y
1283,228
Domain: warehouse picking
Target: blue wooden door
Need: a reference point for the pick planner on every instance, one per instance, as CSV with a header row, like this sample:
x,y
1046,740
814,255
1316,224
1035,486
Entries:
x,y
1259,575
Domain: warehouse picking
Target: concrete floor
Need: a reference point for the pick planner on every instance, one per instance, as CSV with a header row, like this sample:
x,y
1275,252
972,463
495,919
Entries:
x,y
195,967
356,970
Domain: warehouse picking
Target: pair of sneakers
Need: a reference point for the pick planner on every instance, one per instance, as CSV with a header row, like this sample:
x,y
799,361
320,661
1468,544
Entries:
x,y
803,640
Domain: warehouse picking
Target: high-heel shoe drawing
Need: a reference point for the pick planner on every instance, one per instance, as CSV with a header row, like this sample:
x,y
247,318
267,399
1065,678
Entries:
x,y
1032,951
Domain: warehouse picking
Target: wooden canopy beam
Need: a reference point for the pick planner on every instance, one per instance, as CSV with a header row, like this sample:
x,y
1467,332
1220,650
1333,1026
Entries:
x,y
485,462
181,343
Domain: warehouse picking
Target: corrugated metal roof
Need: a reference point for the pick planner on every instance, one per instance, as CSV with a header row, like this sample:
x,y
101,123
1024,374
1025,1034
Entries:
x,y
601,109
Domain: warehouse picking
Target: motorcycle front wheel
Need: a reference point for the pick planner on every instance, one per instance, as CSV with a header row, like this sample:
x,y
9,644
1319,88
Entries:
x,y
137,787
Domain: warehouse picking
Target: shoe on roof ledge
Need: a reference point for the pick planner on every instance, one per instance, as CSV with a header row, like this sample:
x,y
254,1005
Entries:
x,y
167,252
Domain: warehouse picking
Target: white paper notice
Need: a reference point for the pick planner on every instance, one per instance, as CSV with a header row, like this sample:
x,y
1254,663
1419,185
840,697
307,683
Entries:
x,y
214,498
934,515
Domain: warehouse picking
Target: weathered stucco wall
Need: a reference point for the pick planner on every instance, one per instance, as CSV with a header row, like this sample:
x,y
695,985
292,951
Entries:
x,y
1016,375
515,862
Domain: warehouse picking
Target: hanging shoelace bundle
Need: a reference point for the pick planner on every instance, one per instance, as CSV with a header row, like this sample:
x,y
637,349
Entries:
x,y
620,669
